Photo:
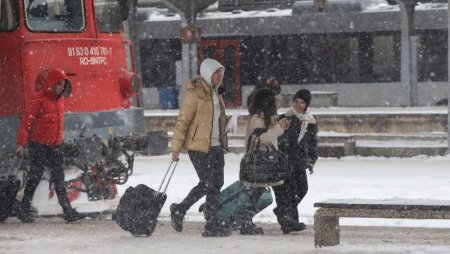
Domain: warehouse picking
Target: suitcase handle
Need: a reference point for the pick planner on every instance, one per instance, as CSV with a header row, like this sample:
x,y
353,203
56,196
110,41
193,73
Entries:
x,y
11,167
170,176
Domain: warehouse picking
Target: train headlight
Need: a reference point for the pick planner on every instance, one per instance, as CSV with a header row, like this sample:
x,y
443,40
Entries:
x,y
129,83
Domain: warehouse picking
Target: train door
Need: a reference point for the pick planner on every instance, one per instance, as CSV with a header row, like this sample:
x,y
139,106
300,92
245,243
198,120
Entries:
x,y
226,51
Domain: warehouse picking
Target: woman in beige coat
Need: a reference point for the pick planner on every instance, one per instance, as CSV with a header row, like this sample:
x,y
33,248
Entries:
x,y
263,121
200,129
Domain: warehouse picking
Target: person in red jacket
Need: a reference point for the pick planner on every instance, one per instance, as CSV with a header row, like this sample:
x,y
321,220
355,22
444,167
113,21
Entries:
x,y
42,128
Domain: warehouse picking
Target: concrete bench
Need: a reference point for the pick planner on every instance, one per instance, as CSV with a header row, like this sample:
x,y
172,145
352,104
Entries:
x,y
326,218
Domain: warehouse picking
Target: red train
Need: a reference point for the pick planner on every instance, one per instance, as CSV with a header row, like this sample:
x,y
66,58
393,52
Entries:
x,y
85,38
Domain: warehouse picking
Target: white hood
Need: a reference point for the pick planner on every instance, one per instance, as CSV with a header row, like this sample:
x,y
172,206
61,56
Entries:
x,y
208,67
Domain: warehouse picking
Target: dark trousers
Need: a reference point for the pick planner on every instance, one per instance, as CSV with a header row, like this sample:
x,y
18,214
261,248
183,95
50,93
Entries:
x,y
209,168
289,195
45,157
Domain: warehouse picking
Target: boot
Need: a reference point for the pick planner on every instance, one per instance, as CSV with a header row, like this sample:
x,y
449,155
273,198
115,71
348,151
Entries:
x,y
25,215
294,214
215,231
177,217
287,223
294,227
24,212
280,216
247,225
72,215
251,229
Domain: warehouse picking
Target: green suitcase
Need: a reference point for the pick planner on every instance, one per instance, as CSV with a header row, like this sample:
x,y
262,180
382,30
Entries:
x,y
235,200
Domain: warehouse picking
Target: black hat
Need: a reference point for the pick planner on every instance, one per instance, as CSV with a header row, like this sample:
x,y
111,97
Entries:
x,y
305,95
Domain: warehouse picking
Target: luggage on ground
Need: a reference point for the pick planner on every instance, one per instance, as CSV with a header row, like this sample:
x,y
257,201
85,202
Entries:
x,y
140,206
235,200
9,187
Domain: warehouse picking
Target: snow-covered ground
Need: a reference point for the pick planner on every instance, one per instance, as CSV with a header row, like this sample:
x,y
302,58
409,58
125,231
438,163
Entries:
x,y
349,177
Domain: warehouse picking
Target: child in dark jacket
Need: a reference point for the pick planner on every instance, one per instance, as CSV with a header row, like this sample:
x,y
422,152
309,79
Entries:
x,y
299,143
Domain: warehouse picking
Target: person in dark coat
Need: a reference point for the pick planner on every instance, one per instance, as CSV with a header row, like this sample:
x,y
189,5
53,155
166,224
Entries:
x,y
42,128
299,143
270,83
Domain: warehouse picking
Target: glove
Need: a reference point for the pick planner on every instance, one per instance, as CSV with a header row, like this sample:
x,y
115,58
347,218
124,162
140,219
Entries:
x,y
231,124
19,150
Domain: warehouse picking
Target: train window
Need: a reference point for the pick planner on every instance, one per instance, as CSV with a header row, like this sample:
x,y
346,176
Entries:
x,y
8,15
107,16
54,15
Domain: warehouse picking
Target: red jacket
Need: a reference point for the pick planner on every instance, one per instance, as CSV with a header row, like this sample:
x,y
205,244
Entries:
x,y
43,120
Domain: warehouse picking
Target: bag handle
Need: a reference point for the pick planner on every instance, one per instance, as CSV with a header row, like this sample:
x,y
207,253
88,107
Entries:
x,y
170,176
12,168
257,132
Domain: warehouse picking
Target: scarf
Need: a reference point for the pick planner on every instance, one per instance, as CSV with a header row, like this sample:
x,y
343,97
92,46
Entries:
x,y
305,118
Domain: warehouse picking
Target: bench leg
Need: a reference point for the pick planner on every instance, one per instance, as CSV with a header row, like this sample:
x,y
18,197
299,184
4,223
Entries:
x,y
326,230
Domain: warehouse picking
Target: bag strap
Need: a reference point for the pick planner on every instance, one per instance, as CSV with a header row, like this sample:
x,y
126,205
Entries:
x,y
257,132
170,176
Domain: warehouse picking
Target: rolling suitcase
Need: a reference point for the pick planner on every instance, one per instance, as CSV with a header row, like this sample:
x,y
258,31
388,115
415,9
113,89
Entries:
x,y
140,206
9,187
235,200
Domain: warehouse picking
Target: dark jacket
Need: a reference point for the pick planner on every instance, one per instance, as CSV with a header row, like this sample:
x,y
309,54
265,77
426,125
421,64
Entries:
x,y
302,154
43,120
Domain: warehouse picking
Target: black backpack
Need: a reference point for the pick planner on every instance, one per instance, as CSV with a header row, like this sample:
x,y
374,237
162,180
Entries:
x,y
138,210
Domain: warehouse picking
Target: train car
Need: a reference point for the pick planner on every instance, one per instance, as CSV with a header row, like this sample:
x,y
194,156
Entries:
x,y
351,48
85,38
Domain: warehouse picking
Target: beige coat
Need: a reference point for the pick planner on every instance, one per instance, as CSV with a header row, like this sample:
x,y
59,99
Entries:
x,y
271,136
194,123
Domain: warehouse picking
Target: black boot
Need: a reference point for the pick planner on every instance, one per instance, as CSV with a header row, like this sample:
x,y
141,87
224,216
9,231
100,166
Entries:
x,y
249,228
177,217
247,225
287,223
294,227
294,214
216,230
70,214
25,215
280,216
73,215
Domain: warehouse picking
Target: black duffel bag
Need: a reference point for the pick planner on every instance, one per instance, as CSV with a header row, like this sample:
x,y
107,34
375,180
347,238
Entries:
x,y
258,166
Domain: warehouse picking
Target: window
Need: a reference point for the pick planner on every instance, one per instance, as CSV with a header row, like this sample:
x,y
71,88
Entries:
x,y
107,14
54,15
432,55
386,57
8,15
